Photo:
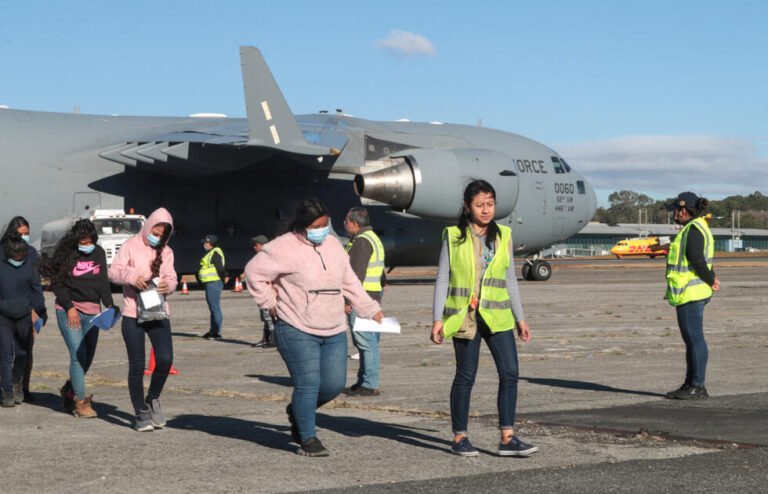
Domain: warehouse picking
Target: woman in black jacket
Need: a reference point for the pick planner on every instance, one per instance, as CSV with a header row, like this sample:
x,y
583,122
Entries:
x,y
20,225
20,296
78,275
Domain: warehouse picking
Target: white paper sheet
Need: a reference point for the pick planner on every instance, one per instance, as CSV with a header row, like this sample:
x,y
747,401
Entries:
x,y
388,325
150,298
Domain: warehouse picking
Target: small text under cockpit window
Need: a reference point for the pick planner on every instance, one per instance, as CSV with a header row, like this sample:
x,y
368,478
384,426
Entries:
x,y
558,166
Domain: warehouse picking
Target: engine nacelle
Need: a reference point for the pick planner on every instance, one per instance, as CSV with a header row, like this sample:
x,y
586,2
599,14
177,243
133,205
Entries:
x,y
430,182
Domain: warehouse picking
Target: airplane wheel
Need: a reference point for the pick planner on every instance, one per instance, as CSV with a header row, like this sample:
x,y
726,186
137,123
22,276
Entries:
x,y
541,271
526,271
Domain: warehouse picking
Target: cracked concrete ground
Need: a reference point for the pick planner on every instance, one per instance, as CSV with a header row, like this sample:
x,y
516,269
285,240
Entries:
x,y
605,348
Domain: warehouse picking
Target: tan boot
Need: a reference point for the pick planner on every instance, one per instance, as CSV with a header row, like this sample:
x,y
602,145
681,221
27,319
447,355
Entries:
x,y
83,408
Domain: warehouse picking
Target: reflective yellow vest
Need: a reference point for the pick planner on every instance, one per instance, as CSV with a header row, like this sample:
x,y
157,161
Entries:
x,y
372,281
683,285
208,271
494,305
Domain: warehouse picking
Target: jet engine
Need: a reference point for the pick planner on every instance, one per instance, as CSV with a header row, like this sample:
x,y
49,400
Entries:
x,y
430,182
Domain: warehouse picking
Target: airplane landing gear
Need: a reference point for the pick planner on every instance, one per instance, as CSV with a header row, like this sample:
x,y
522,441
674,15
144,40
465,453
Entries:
x,y
535,269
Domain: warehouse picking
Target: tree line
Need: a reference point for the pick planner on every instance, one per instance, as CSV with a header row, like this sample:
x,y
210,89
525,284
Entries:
x,y
627,206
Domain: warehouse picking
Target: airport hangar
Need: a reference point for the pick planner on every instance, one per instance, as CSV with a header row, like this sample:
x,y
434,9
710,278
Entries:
x,y
601,237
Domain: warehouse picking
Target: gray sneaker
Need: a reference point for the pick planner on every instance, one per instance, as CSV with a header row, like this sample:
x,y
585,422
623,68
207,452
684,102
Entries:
x,y
156,414
143,421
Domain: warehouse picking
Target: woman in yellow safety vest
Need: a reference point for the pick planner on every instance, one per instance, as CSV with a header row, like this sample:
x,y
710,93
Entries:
x,y
690,283
477,298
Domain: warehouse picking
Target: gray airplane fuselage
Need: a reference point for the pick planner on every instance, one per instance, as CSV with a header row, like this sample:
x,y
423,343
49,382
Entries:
x,y
54,167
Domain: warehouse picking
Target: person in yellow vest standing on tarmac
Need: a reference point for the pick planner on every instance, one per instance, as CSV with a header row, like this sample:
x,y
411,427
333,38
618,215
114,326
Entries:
x,y
477,298
690,284
213,277
366,255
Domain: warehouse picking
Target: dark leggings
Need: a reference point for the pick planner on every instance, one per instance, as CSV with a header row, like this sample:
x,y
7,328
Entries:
x,y
159,333
14,340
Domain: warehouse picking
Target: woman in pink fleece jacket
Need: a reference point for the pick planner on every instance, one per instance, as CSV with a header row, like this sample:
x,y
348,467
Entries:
x,y
303,277
141,259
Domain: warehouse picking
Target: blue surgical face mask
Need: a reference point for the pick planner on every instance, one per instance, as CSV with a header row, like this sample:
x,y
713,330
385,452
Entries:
x,y
15,263
86,249
153,240
317,235
25,238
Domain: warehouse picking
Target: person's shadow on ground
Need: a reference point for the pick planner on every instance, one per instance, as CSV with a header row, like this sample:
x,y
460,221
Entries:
x,y
107,412
584,385
279,380
279,437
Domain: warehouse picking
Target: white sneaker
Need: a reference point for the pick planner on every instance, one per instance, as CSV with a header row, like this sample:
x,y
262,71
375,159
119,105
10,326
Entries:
x,y
355,356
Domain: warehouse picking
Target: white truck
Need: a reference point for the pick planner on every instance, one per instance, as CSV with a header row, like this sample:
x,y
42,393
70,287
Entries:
x,y
113,226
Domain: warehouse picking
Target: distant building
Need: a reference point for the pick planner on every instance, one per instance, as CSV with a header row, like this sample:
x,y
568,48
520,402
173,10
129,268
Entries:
x,y
599,236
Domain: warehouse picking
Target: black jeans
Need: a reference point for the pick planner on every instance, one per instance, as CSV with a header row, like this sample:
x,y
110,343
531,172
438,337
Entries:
x,y
504,351
159,333
14,341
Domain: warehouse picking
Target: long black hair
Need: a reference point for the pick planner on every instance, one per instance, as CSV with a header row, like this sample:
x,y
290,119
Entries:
x,y
155,266
14,245
63,260
473,188
306,213
14,224
699,207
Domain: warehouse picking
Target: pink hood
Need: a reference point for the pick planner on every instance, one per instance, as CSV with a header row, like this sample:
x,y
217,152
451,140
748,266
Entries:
x,y
134,261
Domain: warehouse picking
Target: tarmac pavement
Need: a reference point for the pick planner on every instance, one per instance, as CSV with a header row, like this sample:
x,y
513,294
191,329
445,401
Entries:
x,y
605,349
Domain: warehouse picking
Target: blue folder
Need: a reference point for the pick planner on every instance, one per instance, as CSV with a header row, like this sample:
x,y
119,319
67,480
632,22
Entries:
x,y
106,319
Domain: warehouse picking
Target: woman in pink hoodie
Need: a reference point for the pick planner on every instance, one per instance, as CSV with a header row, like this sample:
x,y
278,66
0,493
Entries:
x,y
142,259
302,277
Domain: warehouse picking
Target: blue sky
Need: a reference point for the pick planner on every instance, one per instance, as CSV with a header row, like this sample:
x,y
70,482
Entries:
x,y
652,96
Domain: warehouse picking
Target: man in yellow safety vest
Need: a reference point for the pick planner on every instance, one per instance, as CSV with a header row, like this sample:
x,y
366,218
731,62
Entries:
x,y
213,277
366,255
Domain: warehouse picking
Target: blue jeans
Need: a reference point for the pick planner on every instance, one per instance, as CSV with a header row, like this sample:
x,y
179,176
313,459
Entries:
x,y
318,368
81,344
213,291
690,318
504,351
159,333
14,341
367,343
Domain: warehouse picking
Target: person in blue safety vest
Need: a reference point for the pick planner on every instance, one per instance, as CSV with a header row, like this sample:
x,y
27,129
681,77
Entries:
x,y
690,284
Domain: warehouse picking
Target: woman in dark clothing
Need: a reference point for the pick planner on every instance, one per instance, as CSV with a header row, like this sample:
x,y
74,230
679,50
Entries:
x,y
78,275
20,296
20,225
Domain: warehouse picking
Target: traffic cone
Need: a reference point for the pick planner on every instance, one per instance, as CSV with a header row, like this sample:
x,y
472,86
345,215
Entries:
x,y
151,368
238,285
184,289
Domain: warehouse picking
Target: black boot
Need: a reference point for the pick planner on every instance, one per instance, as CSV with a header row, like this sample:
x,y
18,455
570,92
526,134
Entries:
x,y
7,399
18,393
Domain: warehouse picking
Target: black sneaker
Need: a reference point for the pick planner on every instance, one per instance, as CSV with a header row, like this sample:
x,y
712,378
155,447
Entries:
x,y
18,394
361,391
313,447
67,398
295,436
673,394
207,335
516,447
692,393
464,448
7,399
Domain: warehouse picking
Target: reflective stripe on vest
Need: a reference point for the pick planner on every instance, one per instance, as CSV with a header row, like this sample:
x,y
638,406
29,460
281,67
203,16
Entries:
x,y
207,272
683,284
375,270
495,306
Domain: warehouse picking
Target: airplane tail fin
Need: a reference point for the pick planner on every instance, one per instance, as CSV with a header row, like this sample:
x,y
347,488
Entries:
x,y
270,120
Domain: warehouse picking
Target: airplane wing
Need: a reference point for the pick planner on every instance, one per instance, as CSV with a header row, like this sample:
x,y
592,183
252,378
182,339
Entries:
x,y
201,147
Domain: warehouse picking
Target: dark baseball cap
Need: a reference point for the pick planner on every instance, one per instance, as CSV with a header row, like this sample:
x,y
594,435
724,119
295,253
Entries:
x,y
210,238
685,200
259,239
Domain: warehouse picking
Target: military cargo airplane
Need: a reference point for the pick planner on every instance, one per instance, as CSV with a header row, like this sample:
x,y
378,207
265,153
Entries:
x,y
241,177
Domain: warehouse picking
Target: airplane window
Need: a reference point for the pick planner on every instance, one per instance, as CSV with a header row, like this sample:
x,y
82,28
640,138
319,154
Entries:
x,y
565,165
558,166
580,187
